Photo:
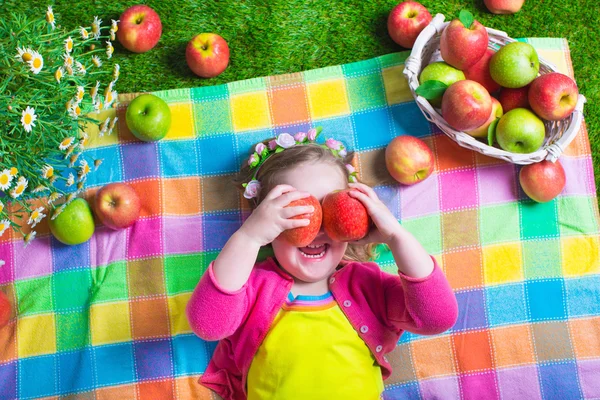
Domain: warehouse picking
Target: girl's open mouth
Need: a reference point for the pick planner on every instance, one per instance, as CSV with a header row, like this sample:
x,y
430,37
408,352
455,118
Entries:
x,y
314,251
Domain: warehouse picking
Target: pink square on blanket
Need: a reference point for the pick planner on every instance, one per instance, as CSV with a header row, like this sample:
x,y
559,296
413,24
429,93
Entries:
x,y
183,234
144,238
107,246
459,189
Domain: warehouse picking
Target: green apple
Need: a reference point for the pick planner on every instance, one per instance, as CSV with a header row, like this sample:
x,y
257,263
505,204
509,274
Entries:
x,y
440,71
75,225
520,131
148,117
515,65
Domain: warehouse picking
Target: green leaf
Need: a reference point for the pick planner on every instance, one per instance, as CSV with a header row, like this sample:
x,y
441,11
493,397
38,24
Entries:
x,y
431,89
279,150
492,132
466,18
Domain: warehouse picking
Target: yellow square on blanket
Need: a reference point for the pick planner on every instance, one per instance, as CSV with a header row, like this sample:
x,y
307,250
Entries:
x,y
37,335
182,121
110,323
396,85
580,255
328,99
502,263
179,322
250,111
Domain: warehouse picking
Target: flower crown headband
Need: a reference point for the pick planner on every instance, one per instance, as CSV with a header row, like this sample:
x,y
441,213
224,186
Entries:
x,y
284,141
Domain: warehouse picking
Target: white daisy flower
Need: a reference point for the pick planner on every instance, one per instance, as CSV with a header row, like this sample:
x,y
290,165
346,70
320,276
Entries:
x,y
36,63
53,197
50,17
112,36
114,25
96,26
84,33
116,72
58,74
66,143
4,225
72,160
40,188
97,163
28,118
47,171
19,188
109,49
5,179
80,68
70,180
84,169
69,45
58,211
69,70
36,216
68,60
98,105
80,93
109,98
13,171
24,54
29,237
75,111
94,90
96,61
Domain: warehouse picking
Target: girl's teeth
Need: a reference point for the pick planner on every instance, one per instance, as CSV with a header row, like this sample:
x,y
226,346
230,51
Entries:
x,y
321,254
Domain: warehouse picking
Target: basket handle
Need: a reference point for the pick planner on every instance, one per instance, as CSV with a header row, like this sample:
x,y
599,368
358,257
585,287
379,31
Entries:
x,y
413,63
557,148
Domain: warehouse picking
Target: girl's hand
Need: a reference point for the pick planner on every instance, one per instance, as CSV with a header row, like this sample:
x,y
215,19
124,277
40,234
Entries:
x,y
272,216
386,225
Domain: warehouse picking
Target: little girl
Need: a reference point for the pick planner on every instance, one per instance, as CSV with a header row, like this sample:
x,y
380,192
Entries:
x,y
313,322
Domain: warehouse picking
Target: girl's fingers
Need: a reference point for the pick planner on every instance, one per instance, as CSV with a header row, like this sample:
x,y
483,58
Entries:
x,y
363,198
289,212
288,197
365,189
278,190
294,223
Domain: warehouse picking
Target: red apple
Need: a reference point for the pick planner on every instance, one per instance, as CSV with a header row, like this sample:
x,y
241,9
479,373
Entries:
x,y
514,98
482,131
117,205
344,217
207,55
408,159
480,72
543,181
553,96
406,21
303,236
466,105
139,28
504,6
5,309
462,47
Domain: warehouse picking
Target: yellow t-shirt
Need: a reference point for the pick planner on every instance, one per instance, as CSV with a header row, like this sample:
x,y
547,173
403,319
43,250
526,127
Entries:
x,y
313,352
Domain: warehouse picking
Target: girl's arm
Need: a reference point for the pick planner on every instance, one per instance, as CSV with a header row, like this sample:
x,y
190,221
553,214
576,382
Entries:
x,y
219,302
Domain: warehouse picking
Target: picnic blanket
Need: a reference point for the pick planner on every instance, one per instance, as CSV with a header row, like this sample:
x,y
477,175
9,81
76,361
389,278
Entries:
x,y
105,319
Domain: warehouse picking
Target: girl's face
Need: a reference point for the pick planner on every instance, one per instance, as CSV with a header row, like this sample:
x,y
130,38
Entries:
x,y
318,260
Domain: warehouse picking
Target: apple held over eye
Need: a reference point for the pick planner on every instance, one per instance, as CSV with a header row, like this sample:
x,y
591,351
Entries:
x,y
504,6
75,224
466,105
207,55
148,117
5,309
482,131
139,28
480,72
463,42
514,98
440,71
117,205
408,159
304,235
344,218
553,96
515,65
406,21
520,131
543,181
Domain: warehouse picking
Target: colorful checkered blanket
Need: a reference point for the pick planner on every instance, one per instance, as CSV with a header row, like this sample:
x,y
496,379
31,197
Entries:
x,y
105,319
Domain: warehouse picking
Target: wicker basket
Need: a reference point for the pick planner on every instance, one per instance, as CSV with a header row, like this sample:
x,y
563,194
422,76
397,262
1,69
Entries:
x,y
426,50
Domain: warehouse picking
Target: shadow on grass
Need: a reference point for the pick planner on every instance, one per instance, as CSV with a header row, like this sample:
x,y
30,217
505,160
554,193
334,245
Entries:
x,y
175,59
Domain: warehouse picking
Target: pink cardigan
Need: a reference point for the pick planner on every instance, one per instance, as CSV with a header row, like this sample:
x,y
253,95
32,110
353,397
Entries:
x,y
380,306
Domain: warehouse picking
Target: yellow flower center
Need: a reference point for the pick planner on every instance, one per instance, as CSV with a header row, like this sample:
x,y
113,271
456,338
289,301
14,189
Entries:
x,y
37,63
49,172
50,18
70,45
3,179
66,142
35,215
27,119
26,57
2,226
77,110
20,189
13,171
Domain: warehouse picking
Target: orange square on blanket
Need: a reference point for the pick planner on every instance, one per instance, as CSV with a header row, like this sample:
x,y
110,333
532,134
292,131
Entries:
x,y
149,193
156,390
473,351
584,333
433,357
116,392
513,345
189,388
449,155
181,196
150,318
463,268
288,105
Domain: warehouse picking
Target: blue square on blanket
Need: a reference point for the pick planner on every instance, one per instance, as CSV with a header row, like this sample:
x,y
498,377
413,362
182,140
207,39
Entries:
x,y
217,155
42,371
75,371
559,381
583,296
218,228
114,364
408,391
191,354
506,304
471,310
178,158
109,171
407,119
373,128
546,299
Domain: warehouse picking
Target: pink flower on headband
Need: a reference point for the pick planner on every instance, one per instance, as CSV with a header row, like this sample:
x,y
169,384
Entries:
x,y
286,140
350,168
252,189
253,160
333,144
342,153
312,134
273,144
299,137
260,148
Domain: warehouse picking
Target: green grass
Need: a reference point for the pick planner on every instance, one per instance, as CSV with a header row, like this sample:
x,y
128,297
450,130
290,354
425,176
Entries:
x,y
268,37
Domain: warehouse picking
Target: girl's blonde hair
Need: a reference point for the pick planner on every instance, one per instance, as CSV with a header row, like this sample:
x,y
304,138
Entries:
x,y
269,172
